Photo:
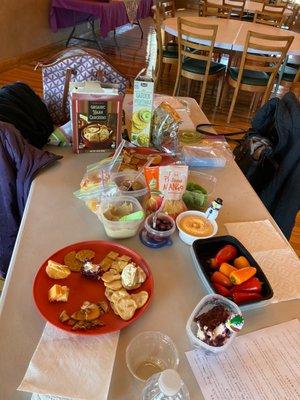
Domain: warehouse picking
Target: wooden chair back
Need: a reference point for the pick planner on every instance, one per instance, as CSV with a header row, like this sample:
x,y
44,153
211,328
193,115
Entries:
x,y
268,18
295,17
238,7
160,33
196,41
215,10
274,8
254,57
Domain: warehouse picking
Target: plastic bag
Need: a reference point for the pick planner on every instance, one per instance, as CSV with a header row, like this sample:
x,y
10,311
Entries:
x,y
167,184
165,129
211,155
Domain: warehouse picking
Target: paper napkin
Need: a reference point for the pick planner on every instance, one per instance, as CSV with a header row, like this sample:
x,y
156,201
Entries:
x,y
273,254
71,366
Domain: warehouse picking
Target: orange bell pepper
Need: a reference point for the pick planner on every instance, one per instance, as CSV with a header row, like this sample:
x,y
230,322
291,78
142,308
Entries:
x,y
226,269
241,262
221,279
242,275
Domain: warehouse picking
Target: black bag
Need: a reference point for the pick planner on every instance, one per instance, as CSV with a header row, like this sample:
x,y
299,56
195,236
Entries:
x,y
20,106
254,156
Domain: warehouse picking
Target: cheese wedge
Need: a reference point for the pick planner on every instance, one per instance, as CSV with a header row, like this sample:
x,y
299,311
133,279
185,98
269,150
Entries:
x,y
58,293
57,271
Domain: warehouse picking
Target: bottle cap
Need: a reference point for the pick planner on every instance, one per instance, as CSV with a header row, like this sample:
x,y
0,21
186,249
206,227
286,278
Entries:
x,y
169,382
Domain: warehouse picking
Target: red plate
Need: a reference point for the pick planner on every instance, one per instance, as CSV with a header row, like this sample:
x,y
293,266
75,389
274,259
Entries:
x,y
82,288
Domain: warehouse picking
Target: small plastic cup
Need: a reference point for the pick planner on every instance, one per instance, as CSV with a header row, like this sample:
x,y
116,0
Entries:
x,y
149,353
120,229
141,195
156,235
206,304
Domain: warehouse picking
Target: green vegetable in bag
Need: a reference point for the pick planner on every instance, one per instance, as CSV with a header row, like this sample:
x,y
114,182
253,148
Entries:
x,y
194,200
191,186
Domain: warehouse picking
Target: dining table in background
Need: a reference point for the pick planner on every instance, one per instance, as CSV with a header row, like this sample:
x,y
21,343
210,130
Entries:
x,y
54,218
111,14
232,33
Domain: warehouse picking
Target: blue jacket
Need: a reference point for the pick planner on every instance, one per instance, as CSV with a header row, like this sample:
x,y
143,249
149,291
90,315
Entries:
x,y
20,162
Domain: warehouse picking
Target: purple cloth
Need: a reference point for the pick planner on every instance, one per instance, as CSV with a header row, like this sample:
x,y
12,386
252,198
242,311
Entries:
x,y
66,13
20,162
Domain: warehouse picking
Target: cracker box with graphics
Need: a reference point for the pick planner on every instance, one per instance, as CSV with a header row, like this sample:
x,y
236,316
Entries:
x,y
96,115
142,109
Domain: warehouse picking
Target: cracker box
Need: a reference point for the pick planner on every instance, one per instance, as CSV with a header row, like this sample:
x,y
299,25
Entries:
x,y
142,109
96,115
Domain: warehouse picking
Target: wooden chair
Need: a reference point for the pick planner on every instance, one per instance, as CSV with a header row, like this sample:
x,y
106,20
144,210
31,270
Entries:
x,y
215,10
238,8
195,56
166,53
268,18
257,71
292,20
290,76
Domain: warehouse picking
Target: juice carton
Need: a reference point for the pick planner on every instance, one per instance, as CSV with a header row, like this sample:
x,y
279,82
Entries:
x,y
142,109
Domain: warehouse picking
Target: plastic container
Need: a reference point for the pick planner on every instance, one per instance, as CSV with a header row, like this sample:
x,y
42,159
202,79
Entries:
x,y
156,235
120,229
166,385
203,250
203,306
149,353
141,195
188,238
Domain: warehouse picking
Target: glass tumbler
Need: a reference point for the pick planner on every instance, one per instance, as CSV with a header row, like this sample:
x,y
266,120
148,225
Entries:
x,y
149,353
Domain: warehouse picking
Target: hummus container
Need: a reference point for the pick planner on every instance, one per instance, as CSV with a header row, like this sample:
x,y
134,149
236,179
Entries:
x,y
120,229
189,237
206,304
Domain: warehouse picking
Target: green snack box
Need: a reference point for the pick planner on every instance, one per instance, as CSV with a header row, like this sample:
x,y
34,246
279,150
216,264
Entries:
x,y
142,109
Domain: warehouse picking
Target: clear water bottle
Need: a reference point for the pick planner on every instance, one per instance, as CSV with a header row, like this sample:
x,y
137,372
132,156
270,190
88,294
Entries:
x,y
166,385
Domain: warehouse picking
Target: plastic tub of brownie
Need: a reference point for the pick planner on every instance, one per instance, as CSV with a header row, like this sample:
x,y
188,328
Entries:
x,y
214,323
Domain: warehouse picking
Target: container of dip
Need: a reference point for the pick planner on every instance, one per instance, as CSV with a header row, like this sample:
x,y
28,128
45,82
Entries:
x,y
193,225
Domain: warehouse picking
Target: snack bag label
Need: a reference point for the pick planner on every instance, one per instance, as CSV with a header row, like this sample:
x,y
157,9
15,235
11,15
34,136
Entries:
x,y
152,178
173,180
142,111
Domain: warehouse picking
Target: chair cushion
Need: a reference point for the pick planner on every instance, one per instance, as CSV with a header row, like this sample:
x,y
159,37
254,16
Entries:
x,y
198,66
289,74
170,54
255,78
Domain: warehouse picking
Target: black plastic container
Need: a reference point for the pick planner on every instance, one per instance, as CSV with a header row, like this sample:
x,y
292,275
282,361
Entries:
x,y
205,249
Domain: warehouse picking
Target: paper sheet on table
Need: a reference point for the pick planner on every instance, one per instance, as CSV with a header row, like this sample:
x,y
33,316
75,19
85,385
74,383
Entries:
x,y
71,366
276,258
262,365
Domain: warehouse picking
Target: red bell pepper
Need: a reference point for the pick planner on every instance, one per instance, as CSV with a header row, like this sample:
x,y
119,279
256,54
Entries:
x,y
221,279
251,285
222,290
227,253
245,297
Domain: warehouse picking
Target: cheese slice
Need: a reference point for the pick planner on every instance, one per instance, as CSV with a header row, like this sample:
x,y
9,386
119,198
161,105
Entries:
x,y
58,293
